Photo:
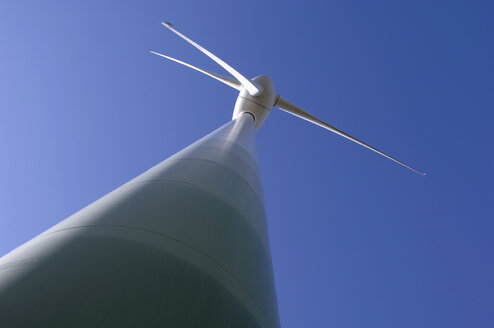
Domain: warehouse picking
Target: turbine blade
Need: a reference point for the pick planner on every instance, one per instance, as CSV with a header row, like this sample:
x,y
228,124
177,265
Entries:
x,y
253,89
288,107
230,81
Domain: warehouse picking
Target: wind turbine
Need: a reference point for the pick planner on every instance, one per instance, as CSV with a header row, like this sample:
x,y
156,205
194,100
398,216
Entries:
x,y
257,96
184,244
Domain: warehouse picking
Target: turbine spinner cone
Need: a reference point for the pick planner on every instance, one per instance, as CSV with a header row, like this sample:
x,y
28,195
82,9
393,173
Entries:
x,y
259,106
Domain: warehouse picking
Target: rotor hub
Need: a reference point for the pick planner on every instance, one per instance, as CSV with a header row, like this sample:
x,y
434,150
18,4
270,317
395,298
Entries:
x,y
258,106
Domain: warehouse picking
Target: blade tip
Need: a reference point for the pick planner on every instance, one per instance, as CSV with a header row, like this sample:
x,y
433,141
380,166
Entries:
x,y
167,24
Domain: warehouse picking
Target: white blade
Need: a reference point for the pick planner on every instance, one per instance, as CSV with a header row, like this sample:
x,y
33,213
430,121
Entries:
x,y
253,89
225,79
288,107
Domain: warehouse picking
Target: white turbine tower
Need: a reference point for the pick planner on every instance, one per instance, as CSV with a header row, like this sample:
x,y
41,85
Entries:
x,y
184,244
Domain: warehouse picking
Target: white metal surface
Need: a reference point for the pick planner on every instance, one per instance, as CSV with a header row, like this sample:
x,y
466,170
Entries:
x,y
184,244
259,106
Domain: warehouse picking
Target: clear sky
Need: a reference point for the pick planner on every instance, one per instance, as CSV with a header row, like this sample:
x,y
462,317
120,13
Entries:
x,y
357,240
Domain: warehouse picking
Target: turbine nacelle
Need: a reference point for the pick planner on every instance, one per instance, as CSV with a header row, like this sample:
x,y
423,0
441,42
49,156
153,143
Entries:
x,y
257,96
259,106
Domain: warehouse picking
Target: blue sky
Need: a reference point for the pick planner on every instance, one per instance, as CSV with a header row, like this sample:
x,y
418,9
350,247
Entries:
x,y
357,241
